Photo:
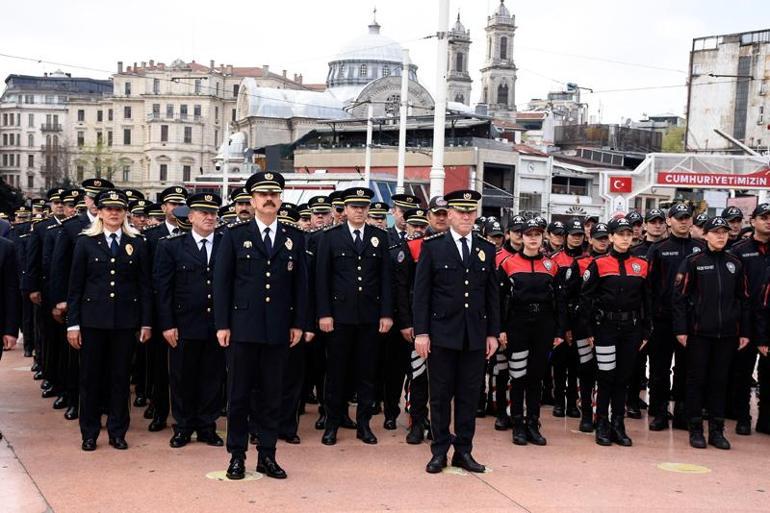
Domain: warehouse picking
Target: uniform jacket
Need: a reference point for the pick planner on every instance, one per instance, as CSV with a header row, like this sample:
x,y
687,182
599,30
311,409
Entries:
x,y
107,292
311,248
711,296
183,283
61,262
573,281
10,301
19,235
258,296
352,287
452,302
665,257
34,276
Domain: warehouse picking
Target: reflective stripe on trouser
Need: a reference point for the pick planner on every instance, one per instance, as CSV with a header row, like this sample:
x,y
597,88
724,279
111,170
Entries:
x,y
605,357
585,351
517,364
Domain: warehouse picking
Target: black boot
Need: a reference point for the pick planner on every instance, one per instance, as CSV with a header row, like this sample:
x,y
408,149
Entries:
x,y
696,434
533,431
633,411
680,416
519,430
586,424
416,433
558,408
618,432
603,431
743,427
503,422
717,434
660,421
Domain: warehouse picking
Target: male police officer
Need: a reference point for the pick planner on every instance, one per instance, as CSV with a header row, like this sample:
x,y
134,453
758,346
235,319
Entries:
x,y
260,303
456,323
401,203
9,297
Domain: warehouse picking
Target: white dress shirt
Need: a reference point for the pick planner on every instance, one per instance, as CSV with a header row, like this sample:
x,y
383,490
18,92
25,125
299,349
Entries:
x,y
456,236
209,243
107,234
360,230
273,229
171,227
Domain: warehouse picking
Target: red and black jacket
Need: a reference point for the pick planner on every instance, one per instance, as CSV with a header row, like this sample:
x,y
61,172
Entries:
x,y
711,297
529,287
615,285
573,280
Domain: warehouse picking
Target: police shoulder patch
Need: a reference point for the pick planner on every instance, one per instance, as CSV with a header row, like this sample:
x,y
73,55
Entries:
x,y
568,274
175,235
237,224
433,237
587,275
401,256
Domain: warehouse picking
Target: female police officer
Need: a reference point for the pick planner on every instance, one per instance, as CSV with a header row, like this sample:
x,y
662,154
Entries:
x,y
109,299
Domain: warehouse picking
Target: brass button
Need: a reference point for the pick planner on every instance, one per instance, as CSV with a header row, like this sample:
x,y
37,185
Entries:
x,y
466,294
267,286
112,284
248,256
112,260
112,271
360,289
360,279
112,294
208,269
466,305
268,262
359,258
359,267
466,282
208,282
267,299
208,309
267,274
209,296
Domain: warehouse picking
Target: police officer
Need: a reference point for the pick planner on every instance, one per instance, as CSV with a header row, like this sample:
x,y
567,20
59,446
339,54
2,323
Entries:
x,y
10,302
696,231
19,235
338,205
456,323
654,231
109,299
378,215
554,239
157,349
513,241
401,203
636,220
354,304
711,319
615,299
578,332
155,215
138,215
260,302
734,217
183,274
304,217
664,259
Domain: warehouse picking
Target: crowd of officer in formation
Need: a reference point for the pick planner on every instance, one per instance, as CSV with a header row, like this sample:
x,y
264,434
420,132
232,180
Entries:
x,y
260,308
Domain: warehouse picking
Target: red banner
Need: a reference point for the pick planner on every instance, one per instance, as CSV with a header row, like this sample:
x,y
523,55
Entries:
x,y
759,179
621,184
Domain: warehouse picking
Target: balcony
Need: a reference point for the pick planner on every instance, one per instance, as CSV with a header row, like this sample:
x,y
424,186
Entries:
x,y
51,148
50,127
185,118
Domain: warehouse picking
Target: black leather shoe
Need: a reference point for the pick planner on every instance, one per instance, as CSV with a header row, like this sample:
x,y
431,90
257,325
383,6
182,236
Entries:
x,y
27,353
179,440
71,413
633,412
364,433
503,423
60,403
519,430
291,439
436,464
330,436
586,424
270,468
119,443
210,438
237,468
533,432
348,423
253,439
149,412
603,436
716,434
35,367
156,425
88,445
465,461
558,411
389,424
45,384
697,441
321,422
48,393
38,375
140,401
743,427
573,412
659,423
416,434
618,432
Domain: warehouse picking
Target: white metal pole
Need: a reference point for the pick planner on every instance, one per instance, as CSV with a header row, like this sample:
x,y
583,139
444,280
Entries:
x,y
225,165
368,162
439,117
402,123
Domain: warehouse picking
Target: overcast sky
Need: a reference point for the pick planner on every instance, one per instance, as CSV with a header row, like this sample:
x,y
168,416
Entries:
x,y
556,42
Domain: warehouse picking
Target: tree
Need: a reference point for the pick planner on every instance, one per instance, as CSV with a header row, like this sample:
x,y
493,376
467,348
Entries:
x,y
673,140
96,161
10,198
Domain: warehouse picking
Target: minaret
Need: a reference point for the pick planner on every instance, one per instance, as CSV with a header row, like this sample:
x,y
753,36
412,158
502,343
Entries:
x,y
498,76
458,79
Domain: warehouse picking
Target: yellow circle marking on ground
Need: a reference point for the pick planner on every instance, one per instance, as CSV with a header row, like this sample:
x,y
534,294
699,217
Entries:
x,y
220,475
578,432
684,468
27,368
457,471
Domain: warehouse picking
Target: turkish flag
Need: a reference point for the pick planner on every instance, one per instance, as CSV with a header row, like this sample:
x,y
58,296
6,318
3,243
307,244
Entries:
x,y
621,184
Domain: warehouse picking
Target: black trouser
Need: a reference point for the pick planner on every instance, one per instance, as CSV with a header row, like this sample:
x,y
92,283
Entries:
x,y
708,366
157,350
662,348
617,347
105,351
499,382
55,352
318,371
259,368
456,375
565,365
27,324
72,380
293,386
739,379
635,384
196,368
586,375
395,353
139,370
351,350
417,388
37,329
763,417
528,349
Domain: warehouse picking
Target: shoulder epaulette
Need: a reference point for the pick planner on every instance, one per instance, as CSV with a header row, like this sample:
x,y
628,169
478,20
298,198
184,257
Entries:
x,y
174,235
433,237
380,229
481,237
395,246
70,218
25,235
237,224
52,226
332,227
152,228
289,224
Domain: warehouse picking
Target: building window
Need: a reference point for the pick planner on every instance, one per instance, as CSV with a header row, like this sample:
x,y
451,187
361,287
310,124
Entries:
x,y
188,134
460,98
126,112
196,111
489,47
109,115
197,86
79,173
169,111
216,137
569,185
156,86
30,161
216,114
127,136
109,137
29,98
155,110
99,138
31,120
81,139
386,71
99,116
163,172
502,94
363,71
163,133
126,173
81,115
233,116
30,181
186,173
30,140
459,62
236,88
183,111
503,48
127,88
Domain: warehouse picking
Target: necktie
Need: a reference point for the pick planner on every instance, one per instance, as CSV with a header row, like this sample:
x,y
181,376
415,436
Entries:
x,y
268,242
175,231
114,247
204,254
402,235
466,251
359,244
